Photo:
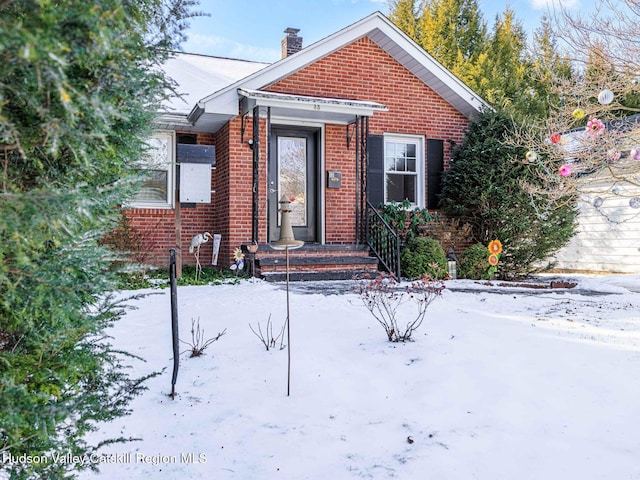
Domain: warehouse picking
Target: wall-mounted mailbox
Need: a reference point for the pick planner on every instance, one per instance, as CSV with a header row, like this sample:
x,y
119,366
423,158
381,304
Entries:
x,y
334,179
195,183
195,162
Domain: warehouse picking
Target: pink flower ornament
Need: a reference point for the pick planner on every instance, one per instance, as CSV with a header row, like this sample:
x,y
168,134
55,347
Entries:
x,y
594,127
565,170
614,155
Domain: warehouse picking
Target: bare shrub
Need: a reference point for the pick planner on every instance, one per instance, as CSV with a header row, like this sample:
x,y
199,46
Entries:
x,y
383,296
133,248
198,343
267,338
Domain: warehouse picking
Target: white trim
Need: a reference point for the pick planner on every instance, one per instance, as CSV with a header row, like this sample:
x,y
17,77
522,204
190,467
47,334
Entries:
x,y
307,122
280,122
295,122
171,175
309,103
420,174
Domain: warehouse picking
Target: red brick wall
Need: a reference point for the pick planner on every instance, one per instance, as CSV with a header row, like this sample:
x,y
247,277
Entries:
x,y
363,71
340,203
233,182
157,225
360,71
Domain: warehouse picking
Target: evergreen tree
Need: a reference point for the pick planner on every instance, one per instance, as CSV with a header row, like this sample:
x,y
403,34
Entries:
x,y
454,33
403,14
484,188
79,85
544,63
504,82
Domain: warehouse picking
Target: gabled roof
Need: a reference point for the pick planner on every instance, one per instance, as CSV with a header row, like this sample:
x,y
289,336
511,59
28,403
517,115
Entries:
x,y
197,76
220,106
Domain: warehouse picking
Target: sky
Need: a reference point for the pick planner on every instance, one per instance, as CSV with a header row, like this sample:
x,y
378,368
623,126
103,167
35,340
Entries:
x,y
253,29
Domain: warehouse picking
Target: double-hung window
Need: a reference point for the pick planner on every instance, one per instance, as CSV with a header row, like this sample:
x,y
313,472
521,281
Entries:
x,y
158,167
404,169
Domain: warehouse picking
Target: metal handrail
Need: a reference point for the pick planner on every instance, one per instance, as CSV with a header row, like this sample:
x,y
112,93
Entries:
x,y
383,241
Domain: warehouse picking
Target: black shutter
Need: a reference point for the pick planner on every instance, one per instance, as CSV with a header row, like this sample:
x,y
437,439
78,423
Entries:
x,y
375,169
435,167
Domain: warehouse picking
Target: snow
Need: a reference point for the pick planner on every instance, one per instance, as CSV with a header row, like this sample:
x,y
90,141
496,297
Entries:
x,y
500,383
198,76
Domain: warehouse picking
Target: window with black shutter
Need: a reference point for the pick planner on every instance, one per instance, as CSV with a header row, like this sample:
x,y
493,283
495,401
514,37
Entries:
x,y
435,168
375,169
396,169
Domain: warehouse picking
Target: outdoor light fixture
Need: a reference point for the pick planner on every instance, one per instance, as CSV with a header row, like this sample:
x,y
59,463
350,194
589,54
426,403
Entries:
x,y
452,264
287,242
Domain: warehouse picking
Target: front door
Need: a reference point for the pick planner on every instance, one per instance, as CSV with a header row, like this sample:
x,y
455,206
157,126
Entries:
x,y
293,164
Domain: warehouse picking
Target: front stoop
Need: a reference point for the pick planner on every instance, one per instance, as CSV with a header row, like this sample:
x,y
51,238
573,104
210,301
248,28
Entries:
x,y
315,262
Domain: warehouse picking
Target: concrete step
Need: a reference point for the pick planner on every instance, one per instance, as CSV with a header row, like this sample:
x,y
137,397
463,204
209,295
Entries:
x,y
296,261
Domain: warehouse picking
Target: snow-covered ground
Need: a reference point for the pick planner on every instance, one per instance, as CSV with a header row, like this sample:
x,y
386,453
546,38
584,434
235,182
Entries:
x,y
500,383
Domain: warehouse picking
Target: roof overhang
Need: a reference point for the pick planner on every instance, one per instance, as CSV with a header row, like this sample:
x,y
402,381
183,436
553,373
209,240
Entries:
x,y
196,121
320,109
387,36
213,111
169,121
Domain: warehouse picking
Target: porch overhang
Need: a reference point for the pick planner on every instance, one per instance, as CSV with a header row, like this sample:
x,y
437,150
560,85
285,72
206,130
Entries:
x,y
317,109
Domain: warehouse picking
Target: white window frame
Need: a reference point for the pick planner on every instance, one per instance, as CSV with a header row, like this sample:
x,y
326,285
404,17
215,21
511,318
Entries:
x,y
169,165
419,142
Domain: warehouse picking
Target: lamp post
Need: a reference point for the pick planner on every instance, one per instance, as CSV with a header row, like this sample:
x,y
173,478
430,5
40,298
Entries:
x,y
286,242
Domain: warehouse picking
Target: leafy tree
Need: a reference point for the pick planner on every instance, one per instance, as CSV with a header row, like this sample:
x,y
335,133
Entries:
x,y
78,87
484,188
593,127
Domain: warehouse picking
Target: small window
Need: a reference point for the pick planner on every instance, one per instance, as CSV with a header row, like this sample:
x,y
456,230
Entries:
x,y
404,170
157,188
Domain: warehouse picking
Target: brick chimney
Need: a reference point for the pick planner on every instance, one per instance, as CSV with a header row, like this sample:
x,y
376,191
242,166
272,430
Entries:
x,y
291,43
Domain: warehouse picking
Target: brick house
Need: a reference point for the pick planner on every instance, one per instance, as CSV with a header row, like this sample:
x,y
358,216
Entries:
x,y
363,115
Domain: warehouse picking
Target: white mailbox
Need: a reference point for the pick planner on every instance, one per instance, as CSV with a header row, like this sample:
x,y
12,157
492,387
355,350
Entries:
x,y
195,183
195,163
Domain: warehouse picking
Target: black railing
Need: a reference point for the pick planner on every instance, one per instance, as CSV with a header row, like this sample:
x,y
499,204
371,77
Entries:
x,y
383,241
361,148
